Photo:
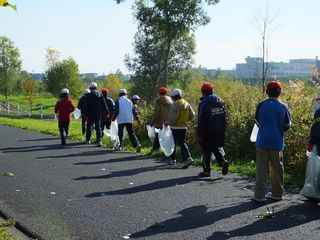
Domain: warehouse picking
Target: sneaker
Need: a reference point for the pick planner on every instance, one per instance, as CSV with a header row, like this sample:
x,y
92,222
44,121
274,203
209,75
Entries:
x,y
99,144
117,148
225,168
138,149
204,174
172,162
259,200
188,163
270,196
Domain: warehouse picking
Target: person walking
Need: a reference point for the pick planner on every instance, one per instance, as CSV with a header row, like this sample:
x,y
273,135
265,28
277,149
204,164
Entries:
x,y
64,107
180,115
160,114
212,118
82,106
125,113
106,118
273,119
95,108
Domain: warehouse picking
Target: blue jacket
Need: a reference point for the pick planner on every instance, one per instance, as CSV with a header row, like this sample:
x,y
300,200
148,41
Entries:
x,y
273,119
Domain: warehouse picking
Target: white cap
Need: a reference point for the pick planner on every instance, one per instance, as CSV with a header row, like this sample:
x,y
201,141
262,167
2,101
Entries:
x,y
176,92
93,85
122,91
86,91
65,90
135,97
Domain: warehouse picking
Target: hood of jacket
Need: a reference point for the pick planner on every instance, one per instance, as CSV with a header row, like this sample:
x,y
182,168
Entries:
x,y
164,100
181,104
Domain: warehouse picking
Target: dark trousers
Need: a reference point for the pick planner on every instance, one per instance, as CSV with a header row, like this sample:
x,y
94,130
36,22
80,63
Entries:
x,y
156,143
133,138
206,155
63,128
179,136
83,125
97,127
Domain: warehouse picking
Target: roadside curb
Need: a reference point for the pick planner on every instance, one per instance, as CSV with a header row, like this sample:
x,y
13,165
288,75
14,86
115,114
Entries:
x,y
19,231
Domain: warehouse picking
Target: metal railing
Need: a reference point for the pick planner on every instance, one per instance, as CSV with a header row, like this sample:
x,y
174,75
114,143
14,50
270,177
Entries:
x,y
7,108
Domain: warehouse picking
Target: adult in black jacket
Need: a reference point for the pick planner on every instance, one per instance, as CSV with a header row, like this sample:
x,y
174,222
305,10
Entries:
x,y
95,108
106,118
211,129
82,106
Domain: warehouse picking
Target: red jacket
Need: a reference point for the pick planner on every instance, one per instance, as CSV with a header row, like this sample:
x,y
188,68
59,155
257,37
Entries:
x,y
64,107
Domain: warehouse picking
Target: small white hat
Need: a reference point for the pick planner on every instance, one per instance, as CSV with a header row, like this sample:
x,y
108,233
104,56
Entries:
x,y
122,91
135,97
176,92
93,85
65,90
86,91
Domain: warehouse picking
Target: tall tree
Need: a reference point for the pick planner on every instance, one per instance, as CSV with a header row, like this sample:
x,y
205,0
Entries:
x,y
10,65
64,74
30,89
263,22
114,82
164,43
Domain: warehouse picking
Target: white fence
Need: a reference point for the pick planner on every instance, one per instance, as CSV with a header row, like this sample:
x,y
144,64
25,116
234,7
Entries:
x,y
15,110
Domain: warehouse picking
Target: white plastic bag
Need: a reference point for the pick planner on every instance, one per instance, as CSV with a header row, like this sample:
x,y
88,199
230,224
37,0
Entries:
x,y
311,188
254,133
151,133
77,113
166,140
113,134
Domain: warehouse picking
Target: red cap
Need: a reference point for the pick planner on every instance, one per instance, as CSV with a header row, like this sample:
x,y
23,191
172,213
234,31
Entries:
x,y
274,84
207,87
163,90
105,91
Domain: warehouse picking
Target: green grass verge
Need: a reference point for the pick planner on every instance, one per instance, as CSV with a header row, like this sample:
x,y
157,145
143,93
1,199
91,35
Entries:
x,y
4,230
242,168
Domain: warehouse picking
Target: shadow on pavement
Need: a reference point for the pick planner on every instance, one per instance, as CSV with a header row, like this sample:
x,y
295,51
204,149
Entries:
x,y
285,219
151,186
113,160
99,151
195,217
39,139
123,173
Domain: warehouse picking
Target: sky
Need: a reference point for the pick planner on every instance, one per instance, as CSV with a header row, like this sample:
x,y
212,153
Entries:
x,y
99,33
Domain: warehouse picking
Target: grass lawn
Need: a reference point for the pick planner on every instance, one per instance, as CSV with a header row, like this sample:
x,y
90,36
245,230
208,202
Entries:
x,y
4,230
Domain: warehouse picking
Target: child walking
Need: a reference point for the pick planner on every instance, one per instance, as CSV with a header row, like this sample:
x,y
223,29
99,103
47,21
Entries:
x,y
64,107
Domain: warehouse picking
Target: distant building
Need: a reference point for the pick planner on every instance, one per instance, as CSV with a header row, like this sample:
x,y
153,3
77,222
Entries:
x,y
292,69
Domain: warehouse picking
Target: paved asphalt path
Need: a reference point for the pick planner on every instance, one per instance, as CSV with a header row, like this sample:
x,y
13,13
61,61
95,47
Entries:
x,y
84,192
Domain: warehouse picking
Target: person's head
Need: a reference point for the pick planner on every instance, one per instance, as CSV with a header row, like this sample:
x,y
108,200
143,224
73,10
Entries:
x,y
105,91
64,93
122,92
93,86
206,89
273,89
86,91
176,94
163,91
135,99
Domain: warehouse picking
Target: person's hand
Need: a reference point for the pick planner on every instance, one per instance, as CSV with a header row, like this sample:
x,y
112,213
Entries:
x,y
166,124
113,118
139,121
309,147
